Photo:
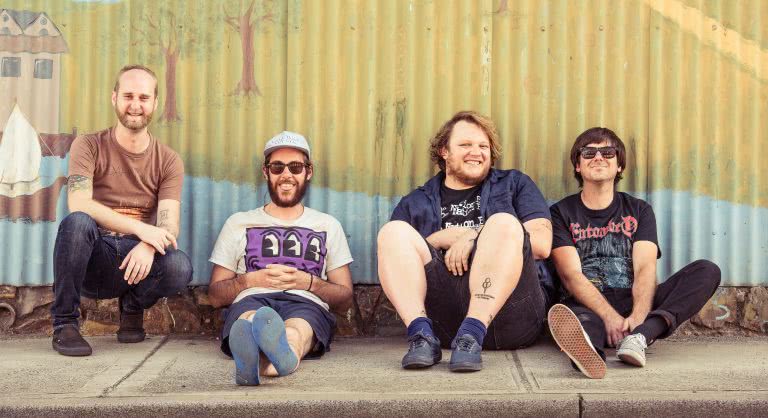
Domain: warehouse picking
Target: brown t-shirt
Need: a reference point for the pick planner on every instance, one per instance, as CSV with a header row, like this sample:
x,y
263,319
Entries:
x,y
127,182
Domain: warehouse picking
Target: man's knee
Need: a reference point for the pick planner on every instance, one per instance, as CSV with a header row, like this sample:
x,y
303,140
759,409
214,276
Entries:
x,y
505,222
77,222
177,269
712,274
396,231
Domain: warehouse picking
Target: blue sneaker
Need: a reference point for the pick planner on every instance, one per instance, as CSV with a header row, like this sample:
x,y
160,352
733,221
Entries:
x,y
465,356
424,351
245,352
269,333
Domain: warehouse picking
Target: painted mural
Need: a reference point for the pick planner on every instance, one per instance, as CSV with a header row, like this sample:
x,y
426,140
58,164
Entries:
x,y
684,83
30,55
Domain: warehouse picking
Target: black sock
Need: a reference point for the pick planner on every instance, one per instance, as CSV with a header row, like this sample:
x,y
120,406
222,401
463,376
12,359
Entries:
x,y
422,324
652,328
474,328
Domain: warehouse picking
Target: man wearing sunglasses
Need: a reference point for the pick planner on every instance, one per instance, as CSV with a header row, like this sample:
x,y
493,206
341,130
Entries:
x,y
605,250
458,258
280,267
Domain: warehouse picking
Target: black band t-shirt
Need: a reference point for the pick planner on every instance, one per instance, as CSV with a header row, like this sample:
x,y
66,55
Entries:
x,y
604,238
460,208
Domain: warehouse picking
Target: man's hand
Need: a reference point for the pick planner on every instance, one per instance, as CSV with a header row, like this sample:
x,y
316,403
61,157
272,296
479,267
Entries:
x,y
457,256
615,328
138,263
287,278
254,278
634,320
158,238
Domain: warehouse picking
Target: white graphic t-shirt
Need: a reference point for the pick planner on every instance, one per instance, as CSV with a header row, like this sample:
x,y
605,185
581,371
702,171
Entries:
x,y
314,243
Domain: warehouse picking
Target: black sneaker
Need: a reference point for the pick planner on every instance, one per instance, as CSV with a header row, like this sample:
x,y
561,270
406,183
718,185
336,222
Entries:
x,y
465,356
67,341
131,328
424,351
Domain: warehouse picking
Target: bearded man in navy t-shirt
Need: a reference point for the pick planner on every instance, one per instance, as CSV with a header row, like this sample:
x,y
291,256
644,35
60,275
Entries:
x,y
605,249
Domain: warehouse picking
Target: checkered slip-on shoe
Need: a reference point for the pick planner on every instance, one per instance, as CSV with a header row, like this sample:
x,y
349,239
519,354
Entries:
x,y
573,341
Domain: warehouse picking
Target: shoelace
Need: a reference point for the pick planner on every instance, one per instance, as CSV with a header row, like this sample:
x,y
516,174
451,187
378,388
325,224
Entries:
x,y
417,341
464,344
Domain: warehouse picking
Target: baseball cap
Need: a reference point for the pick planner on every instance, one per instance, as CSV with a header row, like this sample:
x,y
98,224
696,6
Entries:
x,y
286,139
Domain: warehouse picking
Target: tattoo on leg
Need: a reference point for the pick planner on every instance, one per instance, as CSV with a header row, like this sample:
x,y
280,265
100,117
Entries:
x,y
486,284
76,182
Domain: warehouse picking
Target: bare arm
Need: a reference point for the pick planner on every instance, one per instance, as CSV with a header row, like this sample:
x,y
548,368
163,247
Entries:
x,y
337,291
445,238
540,231
168,215
80,199
568,266
225,284
644,287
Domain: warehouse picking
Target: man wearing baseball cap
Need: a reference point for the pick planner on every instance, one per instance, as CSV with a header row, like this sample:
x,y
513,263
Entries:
x,y
280,268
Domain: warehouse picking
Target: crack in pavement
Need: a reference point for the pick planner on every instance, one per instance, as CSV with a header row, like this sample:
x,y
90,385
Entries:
x,y
110,389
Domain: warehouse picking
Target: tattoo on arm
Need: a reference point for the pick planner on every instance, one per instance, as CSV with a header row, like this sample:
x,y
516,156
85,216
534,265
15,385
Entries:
x,y
486,284
164,221
77,182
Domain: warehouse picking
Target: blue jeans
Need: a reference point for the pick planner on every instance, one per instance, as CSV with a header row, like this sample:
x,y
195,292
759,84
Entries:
x,y
85,262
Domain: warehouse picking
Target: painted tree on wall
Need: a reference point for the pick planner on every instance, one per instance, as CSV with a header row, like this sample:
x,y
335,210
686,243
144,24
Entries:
x,y
163,31
245,24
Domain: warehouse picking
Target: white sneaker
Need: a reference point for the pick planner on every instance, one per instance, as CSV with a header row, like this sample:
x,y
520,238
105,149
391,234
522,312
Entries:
x,y
568,333
632,350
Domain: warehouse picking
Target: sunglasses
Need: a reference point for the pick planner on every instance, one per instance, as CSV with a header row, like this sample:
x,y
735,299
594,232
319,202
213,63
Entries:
x,y
589,153
295,167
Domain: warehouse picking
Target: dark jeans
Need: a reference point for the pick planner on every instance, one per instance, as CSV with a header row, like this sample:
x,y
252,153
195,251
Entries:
x,y
676,300
85,262
516,325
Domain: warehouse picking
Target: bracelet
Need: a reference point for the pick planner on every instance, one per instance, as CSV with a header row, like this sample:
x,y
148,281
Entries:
x,y
311,280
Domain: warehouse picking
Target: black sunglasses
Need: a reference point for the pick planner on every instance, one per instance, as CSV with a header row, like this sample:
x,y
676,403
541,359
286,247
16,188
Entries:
x,y
295,167
589,153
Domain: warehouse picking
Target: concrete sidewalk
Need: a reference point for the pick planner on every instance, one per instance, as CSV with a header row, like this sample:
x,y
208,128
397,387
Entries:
x,y
179,376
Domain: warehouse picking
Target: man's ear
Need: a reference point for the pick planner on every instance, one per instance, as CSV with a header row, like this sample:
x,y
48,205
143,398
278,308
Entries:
x,y
114,98
444,152
264,173
310,172
578,168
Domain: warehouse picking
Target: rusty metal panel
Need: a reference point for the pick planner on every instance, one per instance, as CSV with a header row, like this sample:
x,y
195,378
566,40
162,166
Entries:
x,y
708,97
369,82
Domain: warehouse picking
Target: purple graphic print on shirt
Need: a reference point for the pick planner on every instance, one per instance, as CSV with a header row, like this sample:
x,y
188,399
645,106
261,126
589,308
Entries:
x,y
298,247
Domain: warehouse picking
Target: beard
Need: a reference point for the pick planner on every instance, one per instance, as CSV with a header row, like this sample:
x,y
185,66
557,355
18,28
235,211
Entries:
x,y
293,200
142,123
465,177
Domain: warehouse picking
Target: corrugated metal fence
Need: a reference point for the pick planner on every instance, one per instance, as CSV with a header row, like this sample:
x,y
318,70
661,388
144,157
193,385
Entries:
x,y
684,83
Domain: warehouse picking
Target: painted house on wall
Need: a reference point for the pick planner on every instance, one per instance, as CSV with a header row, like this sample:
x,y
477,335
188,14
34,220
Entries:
x,y
30,68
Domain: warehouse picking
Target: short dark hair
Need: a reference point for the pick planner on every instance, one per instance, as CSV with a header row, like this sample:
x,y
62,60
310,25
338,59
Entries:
x,y
133,67
441,138
596,136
